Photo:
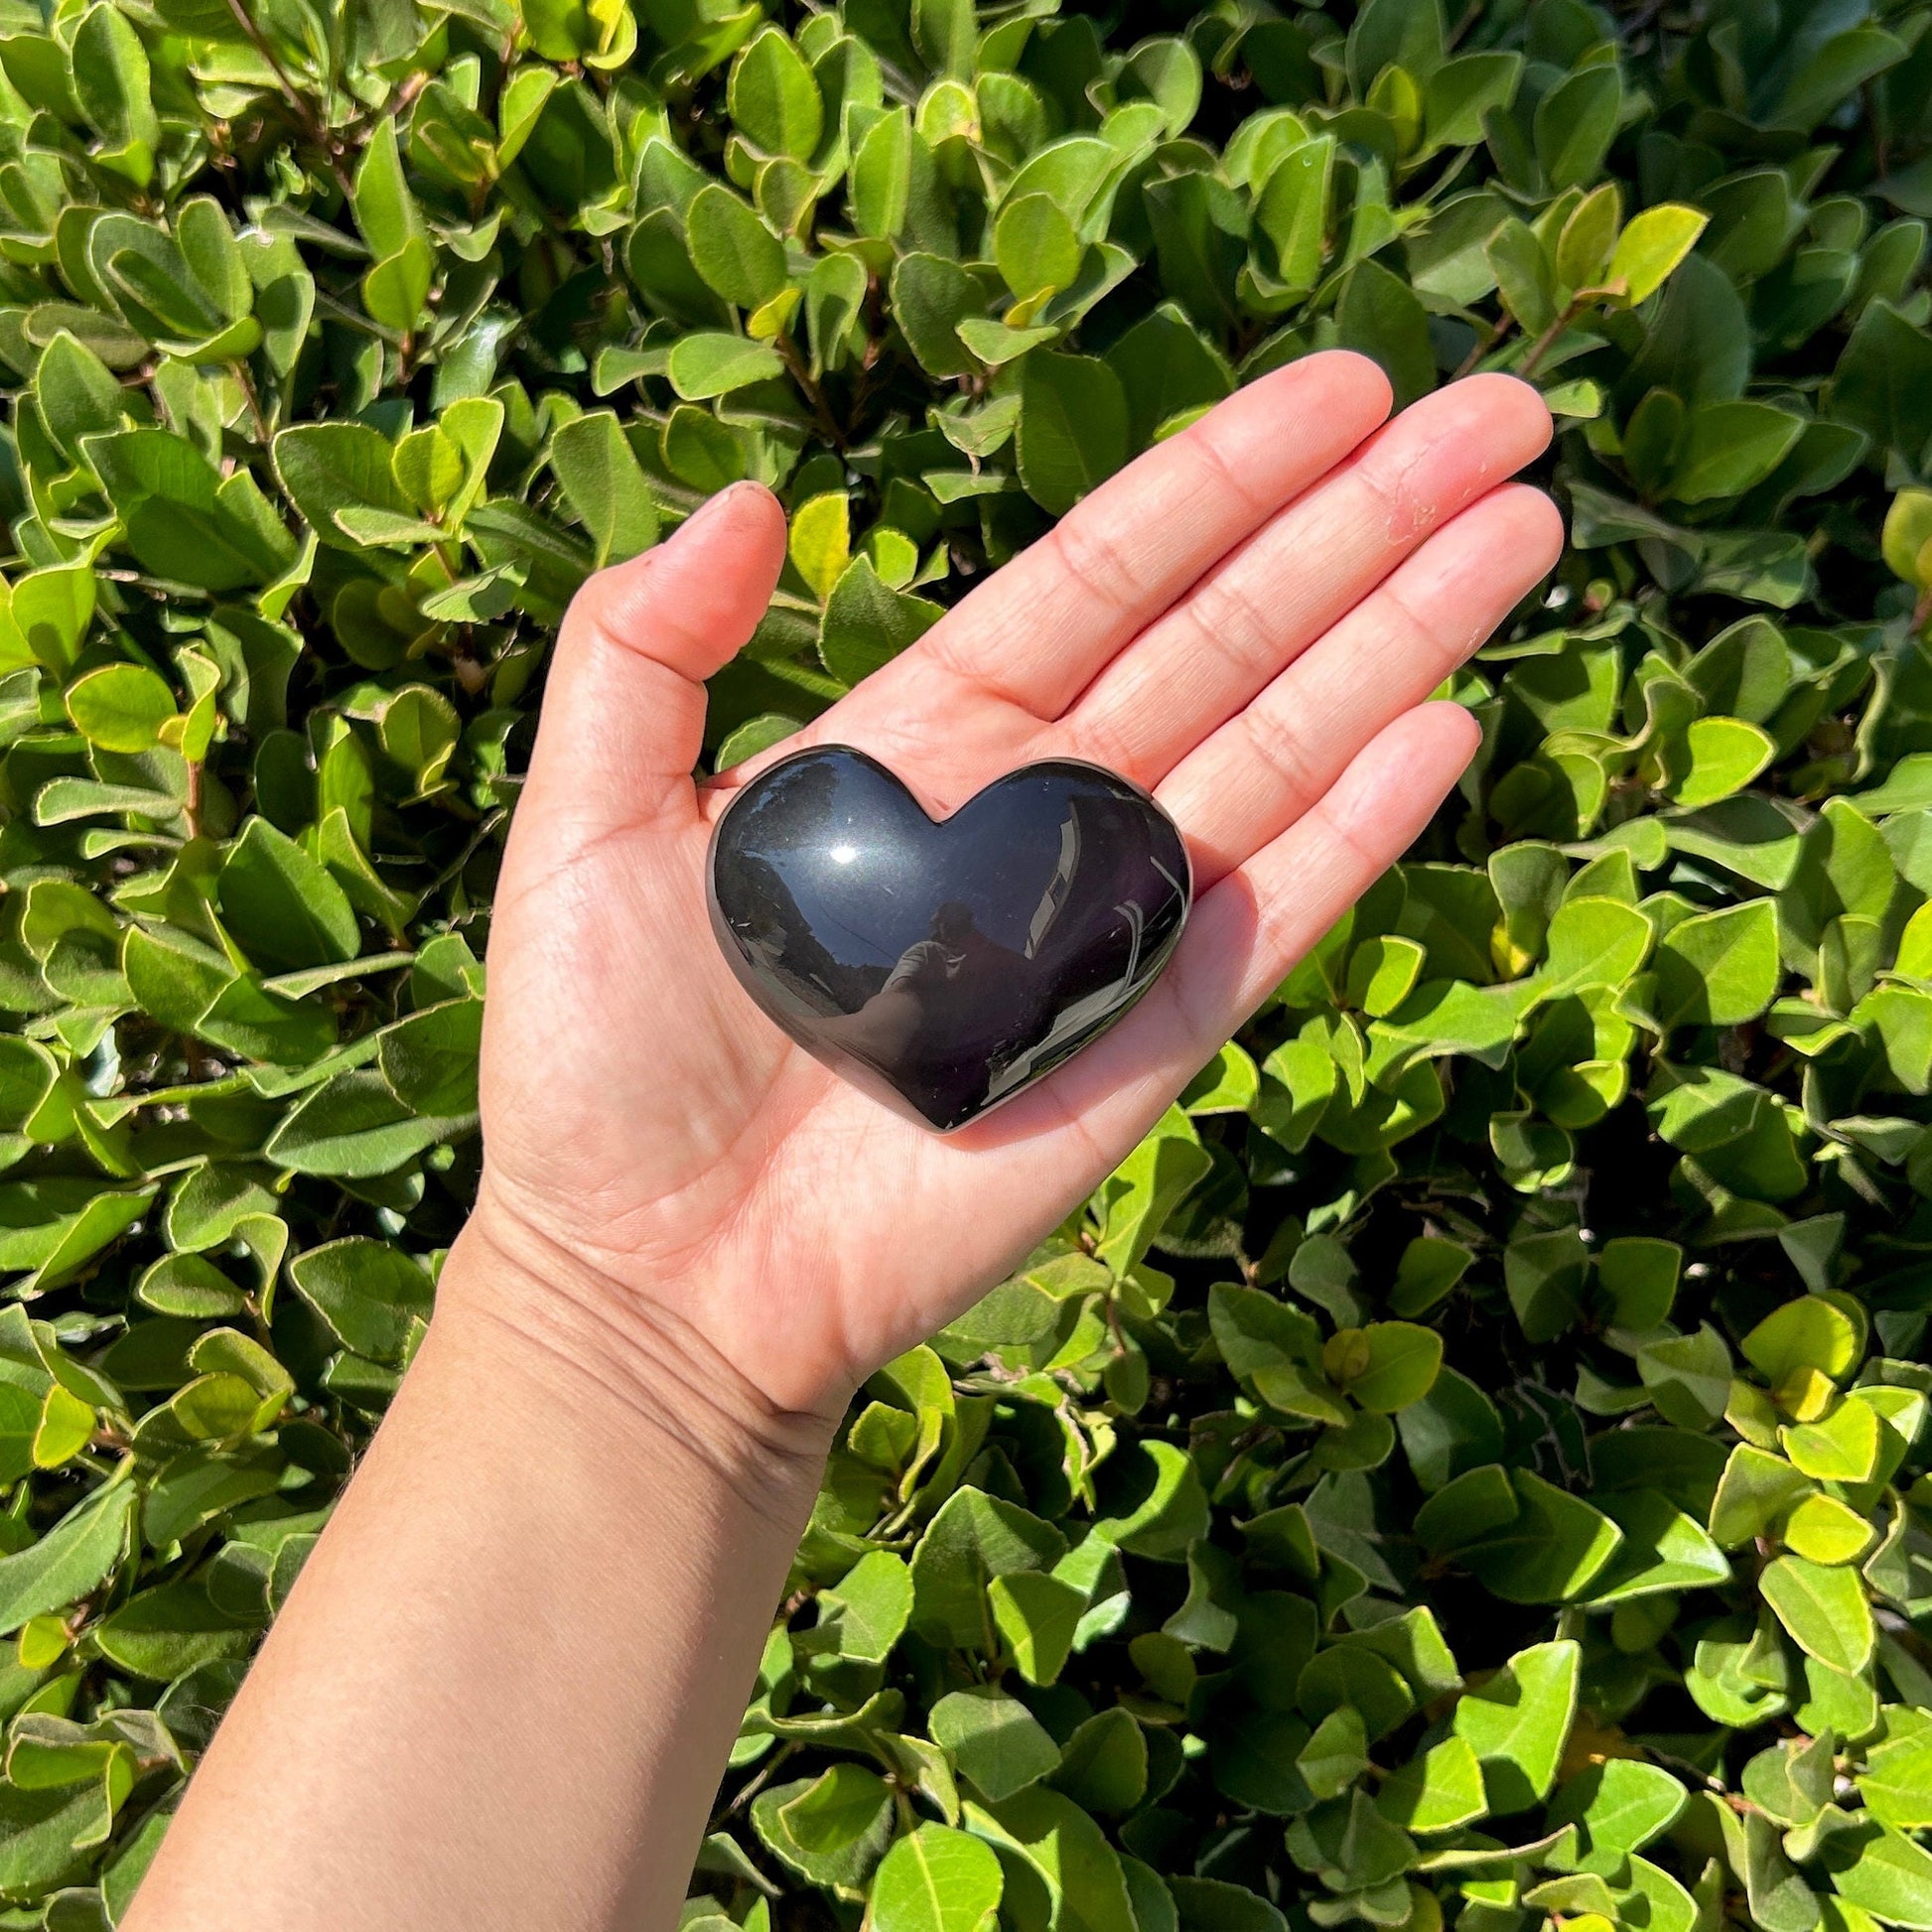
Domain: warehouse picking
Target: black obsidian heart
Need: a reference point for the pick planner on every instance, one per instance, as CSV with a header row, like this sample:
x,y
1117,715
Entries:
x,y
947,966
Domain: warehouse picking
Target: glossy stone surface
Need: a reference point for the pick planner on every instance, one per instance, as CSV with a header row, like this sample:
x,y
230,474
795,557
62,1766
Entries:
x,y
947,966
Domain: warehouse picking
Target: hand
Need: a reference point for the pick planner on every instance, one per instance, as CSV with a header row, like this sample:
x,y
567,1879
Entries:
x,y
1247,621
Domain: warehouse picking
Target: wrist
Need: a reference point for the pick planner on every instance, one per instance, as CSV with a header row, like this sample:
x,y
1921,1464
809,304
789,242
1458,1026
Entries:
x,y
607,1349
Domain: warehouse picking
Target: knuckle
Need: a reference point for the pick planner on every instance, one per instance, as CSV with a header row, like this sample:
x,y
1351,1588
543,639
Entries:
x,y
1097,562
1437,642
1280,751
1222,473
1102,739
1233,619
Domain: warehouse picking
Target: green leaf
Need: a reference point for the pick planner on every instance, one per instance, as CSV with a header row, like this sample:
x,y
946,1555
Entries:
x,y
703,366
867,622
1351,1677
1663,1548
1079,1870
731,249
1890,1878
1159,1506
1390,1364
931,296
1725,755
1593,941
973,1539
1381,318
430,1059
773,100
1755,1491
1072,432
1896,1782
1621,1804
1517,1721
1034,245
1729,447
1549,1552
1427,1274
832,1830
329,468
371,1295
881,181
386,211
1639,1276
1038,1618
1719,969
120,706
820,540
1652,245
1881,383
995,1741
1437,1791
1576,122
1904,539
1335,1754
1841,1446
1811,1335
1292,212
282,906
605,485
1822,1529
871,1605
1824,1609
113,83
70,1560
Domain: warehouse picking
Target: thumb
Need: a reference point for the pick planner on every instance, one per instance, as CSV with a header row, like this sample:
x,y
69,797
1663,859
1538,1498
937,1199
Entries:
x,y
623,704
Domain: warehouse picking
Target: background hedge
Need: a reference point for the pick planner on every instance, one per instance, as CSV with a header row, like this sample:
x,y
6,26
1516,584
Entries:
x,y
1468,1462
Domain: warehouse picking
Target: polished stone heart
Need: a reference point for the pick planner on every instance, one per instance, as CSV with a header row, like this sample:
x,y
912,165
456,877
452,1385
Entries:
x,y
945,966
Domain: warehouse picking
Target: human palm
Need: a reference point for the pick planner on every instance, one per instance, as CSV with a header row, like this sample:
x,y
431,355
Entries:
x,y
1248,621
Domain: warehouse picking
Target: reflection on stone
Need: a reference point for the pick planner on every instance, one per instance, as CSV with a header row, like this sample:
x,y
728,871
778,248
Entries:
x,y
944,967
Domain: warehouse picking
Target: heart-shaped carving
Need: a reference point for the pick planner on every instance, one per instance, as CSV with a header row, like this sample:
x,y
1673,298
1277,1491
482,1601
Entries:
x,y
945,966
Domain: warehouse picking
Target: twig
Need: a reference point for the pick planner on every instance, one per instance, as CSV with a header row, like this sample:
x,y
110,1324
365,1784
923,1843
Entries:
x,y
801,375
1583,299
248,381
303,108
1483,344
753,1786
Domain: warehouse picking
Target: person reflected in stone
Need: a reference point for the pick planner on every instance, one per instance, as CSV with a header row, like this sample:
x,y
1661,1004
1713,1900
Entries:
x,y
952,967
950,999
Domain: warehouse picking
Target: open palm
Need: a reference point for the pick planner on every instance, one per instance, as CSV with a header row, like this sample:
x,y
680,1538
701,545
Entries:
x,y
1248,621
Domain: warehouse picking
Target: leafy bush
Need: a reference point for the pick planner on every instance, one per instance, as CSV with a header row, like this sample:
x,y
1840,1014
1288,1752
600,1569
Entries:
x,y
1469,1461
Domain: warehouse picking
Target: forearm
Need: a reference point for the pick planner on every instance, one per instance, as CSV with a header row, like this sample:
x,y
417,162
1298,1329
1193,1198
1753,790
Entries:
x,y
506,1681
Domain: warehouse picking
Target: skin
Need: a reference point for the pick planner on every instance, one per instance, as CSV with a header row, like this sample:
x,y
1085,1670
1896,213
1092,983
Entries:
x,y
504,1689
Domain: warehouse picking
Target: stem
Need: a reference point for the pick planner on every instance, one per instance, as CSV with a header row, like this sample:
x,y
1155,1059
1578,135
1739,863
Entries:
x,y
1541,347
1483,346
248,381
801,375
303,108
787,1748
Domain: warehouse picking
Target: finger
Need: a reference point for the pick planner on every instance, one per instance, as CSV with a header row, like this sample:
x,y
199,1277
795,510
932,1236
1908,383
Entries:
x,y
1259,772
1215,649
1035,634
1245,935
623,721
965,703
1267,914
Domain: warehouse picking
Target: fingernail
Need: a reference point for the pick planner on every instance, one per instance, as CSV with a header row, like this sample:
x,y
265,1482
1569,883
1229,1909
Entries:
x,y
709,508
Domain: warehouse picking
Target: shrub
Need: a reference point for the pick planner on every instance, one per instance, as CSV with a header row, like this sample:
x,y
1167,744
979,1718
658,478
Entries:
x,y
1469,1461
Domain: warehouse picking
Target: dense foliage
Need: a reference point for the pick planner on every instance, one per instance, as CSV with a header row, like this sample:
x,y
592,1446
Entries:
x,y
1468,1462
